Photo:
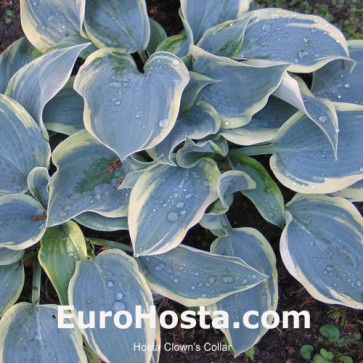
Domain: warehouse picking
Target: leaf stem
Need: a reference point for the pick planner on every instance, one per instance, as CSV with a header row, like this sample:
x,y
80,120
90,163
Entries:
x,y
143,55
37,280
253,150
111,244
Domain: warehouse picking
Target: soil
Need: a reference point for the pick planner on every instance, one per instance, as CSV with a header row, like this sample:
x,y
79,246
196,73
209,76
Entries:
x,y
278,345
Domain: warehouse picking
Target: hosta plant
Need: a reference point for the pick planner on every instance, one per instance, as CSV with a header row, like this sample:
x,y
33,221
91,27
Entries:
x,y
107,123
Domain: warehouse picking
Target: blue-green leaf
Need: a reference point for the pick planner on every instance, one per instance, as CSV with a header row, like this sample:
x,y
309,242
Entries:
x,y
201,121
101,223
204,14
45,23
322,247
157,36
18,128
22,221
193,277
121,24
31,332
264,124
87,180
307,42
166,202
249,245
243,89
60,248
339,81
34,85
190,154
38,181
64,113
267,196
16,56
7,256
11,284
354,193
140,108
114,276
303,160
177,44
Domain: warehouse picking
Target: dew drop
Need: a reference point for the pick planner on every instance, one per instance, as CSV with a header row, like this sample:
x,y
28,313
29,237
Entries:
x,y
164,123
347,85
115,84
180,205
323,119
314,30
117,306
266,27
109,284
192,287
227,279
302,54
159,267
119,295
175,62
306,40
176,281
172,217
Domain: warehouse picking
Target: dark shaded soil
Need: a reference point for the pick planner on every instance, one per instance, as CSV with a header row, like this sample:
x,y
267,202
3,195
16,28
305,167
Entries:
x,y
279,345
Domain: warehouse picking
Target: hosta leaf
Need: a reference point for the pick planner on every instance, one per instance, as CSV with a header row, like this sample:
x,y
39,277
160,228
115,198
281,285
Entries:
x,y
177,44
338,80
190,154
31,332
204,14
353,193
87,180
267,196
157,36
64,113
217,222
320,111
7,256
45,23
306,41
264,124
100,223
38,181
140,108
18,128
60,248
121,24
34,85
16,56
11,284
201,121
224,39
22,221
322,247
254,249
193,277
303,160
114,276
233,181
244,87
166,202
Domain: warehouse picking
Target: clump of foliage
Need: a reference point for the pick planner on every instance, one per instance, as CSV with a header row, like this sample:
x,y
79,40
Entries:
x,y
333,344
158,147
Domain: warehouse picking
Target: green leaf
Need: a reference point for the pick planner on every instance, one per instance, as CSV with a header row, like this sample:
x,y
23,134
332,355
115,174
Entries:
x,y
13,58
177,44
204,14
121,24
306,351
249,245
140,108
193,277
157,36
64,113
345,359
22,221
60,248
319,359
31,331
330,332
250,353
303,160
307,42
34,85
87,180
326,354
340,80
114,276
166,202
18,128
47,23
267,196
11,284
254,80
322,247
